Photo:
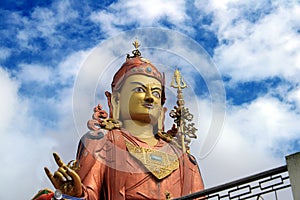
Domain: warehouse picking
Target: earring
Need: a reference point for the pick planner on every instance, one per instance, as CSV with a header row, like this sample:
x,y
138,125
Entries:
x,y
161,119
113,121
115,105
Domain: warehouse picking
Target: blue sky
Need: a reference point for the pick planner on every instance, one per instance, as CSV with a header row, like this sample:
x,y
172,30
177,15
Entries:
x,y
253,45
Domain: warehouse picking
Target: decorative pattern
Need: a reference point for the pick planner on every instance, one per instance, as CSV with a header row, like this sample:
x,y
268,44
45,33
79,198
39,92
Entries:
x,y
100,120
159,163
181,114
265,185
135,52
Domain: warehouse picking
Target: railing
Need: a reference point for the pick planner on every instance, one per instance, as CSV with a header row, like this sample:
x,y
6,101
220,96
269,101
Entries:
x,y
251,187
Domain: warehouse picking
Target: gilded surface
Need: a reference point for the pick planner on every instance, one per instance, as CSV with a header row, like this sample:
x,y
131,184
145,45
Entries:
x,y
159,163
181,114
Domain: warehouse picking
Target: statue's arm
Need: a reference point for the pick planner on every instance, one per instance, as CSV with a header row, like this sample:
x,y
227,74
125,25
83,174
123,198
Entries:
x,y
65,178
91,177
85,179
91,170
197,181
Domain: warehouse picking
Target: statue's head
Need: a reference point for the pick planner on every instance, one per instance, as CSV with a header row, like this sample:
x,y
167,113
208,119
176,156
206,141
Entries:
x,y
138,92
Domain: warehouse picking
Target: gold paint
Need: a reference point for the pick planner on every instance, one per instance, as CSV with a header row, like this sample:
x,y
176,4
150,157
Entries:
x,y
110,124
159,163
181,114
145,60
177,81
136,44
140,99
168,138
136,52
74,165
168,195
71,186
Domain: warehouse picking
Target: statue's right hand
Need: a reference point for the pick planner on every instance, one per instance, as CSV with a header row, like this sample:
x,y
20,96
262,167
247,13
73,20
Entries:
x,y
65,179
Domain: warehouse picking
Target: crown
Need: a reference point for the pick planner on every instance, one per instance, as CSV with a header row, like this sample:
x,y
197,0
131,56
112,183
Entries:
x,y
135,64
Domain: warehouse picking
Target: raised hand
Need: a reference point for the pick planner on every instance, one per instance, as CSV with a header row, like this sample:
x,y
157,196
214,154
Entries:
x,y
65,178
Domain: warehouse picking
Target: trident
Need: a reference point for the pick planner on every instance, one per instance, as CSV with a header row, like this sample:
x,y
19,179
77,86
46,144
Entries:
x,y
182,114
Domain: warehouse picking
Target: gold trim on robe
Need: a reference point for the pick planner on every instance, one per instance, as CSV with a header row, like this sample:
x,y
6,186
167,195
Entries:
x,y
159,163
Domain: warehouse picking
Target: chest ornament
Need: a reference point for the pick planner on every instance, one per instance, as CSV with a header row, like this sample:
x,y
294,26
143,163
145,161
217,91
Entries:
x,y
159,163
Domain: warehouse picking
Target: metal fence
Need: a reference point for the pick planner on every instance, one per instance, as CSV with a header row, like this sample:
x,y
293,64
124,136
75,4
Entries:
x,y
254,187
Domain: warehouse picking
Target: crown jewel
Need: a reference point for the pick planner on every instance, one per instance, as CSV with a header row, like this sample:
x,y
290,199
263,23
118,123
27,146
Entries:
x,y
135,52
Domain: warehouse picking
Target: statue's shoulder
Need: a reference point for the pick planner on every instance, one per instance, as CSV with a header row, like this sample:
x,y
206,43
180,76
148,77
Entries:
x,y
117,138
90,141
94,135
192,159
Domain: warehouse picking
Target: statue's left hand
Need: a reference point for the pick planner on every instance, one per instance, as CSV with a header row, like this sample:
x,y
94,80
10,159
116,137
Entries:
x,y
65,179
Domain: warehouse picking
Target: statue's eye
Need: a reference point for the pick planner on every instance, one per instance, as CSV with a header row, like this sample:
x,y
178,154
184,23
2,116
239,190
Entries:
x,y
156,94
139,89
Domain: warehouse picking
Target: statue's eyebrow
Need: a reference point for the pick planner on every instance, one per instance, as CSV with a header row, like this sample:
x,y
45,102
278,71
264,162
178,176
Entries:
x,y
141,84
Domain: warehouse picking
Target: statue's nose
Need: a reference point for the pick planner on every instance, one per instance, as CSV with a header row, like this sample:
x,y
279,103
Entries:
x,y
149,97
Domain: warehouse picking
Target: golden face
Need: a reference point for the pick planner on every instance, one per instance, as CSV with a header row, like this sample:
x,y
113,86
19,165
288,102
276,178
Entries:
x,y
140,99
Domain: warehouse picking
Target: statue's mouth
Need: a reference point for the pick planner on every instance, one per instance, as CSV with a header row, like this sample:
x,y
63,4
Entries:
x,y
148,105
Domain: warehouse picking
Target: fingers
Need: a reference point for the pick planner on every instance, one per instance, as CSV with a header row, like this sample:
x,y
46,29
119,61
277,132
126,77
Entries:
x,y
58,161
76,182
63,172
48,173
65,179
50,176
59,176
75,177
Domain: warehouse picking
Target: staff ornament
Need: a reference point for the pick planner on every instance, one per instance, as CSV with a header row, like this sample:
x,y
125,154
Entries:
x,y
181,115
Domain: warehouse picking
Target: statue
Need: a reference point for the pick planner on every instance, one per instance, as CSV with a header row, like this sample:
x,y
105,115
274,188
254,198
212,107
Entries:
x,y
128,155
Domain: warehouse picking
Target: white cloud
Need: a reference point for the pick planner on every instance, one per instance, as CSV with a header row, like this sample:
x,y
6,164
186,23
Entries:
x,y
294,97
70,66
271,45
277,122
141,13
34,73
64,73
8,101
258,40
254,138
4,53
27,143
46,20
23,142
148,10
42,23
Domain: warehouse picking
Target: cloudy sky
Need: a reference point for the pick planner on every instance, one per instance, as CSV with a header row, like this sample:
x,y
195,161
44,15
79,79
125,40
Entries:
x,y
239,57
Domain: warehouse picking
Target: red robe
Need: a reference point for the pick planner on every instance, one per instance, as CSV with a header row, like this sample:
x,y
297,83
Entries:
x,y
108,171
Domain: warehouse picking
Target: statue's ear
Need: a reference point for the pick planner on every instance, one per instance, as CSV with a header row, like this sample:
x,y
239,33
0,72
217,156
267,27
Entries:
x,y
161,119
115,105
108,96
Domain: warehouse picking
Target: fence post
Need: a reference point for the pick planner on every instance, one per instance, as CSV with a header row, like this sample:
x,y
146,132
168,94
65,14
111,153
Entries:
x,y
293,165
